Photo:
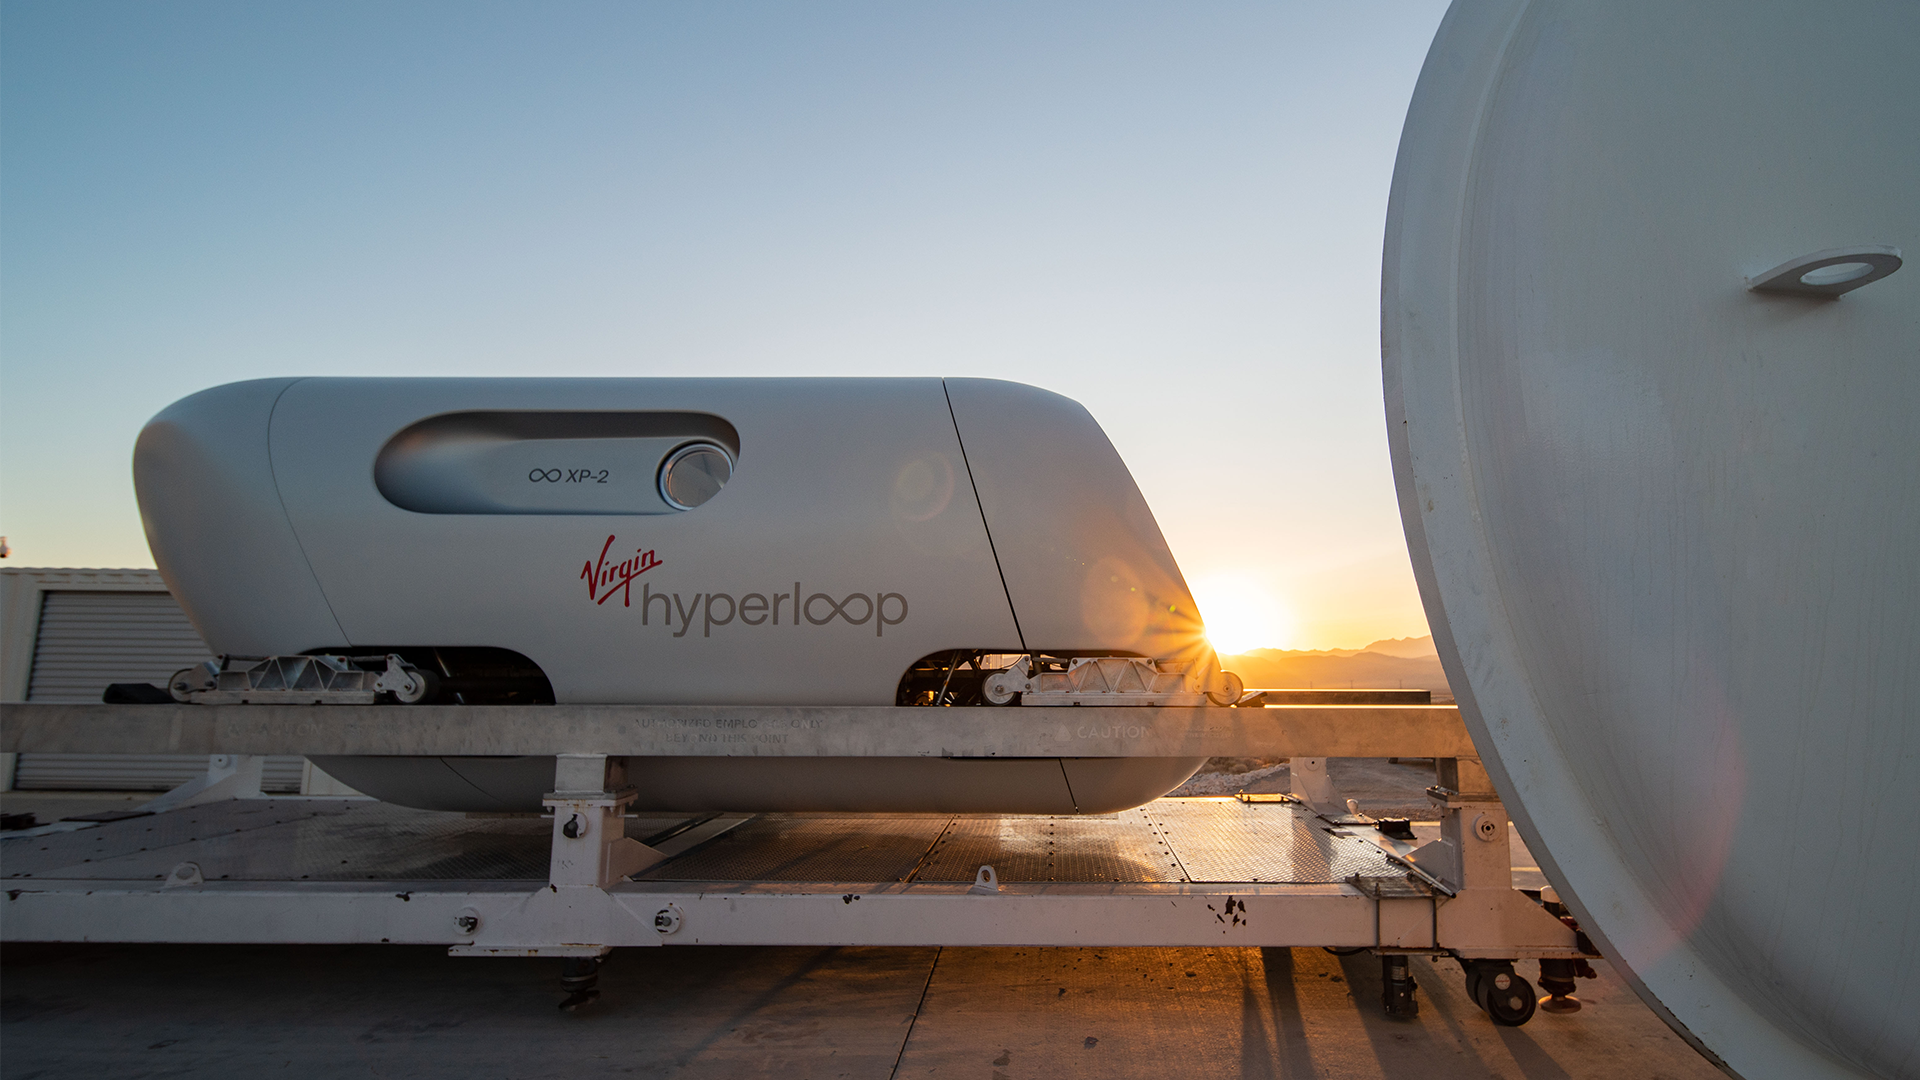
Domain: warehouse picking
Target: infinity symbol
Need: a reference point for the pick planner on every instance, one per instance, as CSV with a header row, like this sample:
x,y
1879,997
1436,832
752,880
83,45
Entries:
x,y
876,610
839,609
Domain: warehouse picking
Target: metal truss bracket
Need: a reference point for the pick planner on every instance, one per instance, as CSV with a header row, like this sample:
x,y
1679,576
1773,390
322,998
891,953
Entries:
x,y
229,776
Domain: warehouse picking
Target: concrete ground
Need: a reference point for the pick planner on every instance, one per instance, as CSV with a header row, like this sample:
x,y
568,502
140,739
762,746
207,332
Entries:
x,y
721,1012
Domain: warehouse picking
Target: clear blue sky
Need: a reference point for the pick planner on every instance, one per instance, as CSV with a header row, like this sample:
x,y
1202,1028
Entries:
x,y
1172,213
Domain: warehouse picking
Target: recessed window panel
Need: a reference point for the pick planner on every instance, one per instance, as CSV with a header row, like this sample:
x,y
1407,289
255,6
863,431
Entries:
x,y
554,462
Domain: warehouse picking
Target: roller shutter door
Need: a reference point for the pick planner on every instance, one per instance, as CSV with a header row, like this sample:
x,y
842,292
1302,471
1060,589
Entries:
x,y
89,639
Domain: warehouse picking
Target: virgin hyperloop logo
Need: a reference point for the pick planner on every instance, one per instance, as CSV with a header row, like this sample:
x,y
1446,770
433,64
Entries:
x,y
605,580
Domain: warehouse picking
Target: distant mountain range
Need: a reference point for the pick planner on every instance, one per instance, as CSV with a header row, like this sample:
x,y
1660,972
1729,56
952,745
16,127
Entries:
x,y
1397,662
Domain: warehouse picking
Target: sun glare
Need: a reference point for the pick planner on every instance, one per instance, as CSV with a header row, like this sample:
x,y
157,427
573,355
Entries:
x,y
1241,615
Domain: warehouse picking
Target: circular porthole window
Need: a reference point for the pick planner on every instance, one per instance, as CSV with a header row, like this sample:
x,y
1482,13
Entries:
x,y
694,473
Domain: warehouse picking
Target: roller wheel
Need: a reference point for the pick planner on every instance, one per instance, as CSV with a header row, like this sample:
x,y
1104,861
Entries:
x,y
423,687
1227,690
1506,997
180,687
1344,950
997,692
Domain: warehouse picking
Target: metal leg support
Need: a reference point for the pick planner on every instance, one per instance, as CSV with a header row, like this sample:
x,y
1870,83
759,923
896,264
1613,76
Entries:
x,y
1556,978
1398,987
591,849
1307,780
590,844
580,978
1486,923
574,916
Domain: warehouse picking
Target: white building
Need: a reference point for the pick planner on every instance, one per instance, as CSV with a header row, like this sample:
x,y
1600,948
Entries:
x,y
65,635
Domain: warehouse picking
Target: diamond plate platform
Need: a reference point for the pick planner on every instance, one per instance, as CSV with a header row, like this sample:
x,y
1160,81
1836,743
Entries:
x,y
1118,848
1226,840
69,852
806,847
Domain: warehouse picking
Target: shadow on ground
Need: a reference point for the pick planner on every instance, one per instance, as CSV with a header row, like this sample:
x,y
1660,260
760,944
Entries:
x,y
725,1012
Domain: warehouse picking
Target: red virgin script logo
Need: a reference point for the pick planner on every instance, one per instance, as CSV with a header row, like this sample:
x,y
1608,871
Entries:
x,y
604,580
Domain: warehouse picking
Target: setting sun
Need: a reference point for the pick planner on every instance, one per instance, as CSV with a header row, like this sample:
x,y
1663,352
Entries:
x,y
1240,614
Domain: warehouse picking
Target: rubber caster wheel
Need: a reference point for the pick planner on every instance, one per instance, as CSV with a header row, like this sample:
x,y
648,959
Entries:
x,y
1506,998
1344,950
423,689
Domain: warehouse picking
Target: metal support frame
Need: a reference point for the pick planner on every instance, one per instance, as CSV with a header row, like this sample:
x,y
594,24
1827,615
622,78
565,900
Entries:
x,y
586,906
507,920
1485,917
1457,898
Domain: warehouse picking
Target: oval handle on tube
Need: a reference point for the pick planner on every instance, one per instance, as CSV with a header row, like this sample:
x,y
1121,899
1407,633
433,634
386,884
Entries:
x,y
1828,273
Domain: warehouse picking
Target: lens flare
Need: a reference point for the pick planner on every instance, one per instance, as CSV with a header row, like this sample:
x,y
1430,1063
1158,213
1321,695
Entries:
x,y
1241,615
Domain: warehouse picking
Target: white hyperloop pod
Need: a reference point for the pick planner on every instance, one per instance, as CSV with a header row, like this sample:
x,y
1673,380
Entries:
x,y
678,541
1651,372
